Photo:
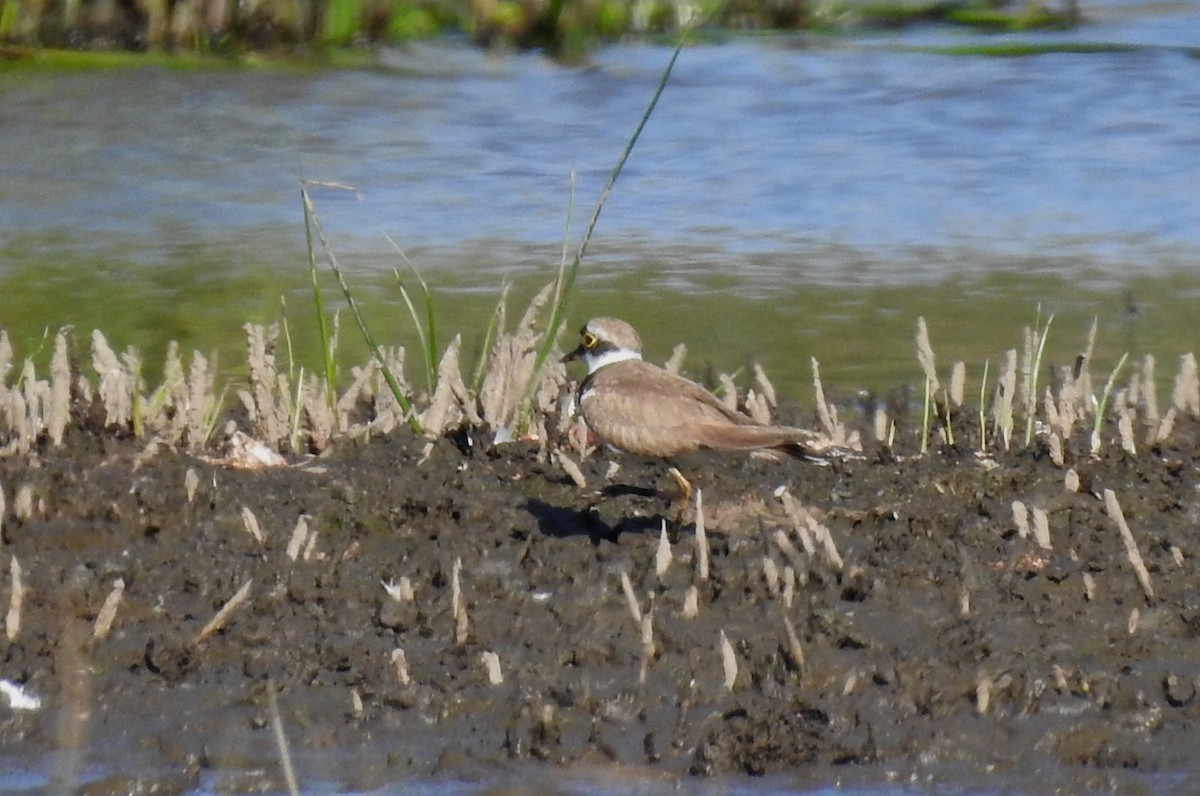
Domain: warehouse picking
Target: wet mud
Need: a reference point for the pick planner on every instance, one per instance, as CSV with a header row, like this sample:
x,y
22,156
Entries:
x,y
940,642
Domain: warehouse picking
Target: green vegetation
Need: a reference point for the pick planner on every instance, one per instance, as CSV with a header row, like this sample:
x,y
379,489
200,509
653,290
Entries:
x,y
30,32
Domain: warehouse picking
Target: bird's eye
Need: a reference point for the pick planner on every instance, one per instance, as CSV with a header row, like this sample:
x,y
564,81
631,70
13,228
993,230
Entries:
x,y
589,340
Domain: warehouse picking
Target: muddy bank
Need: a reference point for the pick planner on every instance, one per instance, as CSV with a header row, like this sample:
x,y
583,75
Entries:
x,y
943,642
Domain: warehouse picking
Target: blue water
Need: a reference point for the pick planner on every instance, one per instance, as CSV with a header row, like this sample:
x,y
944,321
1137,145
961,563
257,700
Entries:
x,y
820,153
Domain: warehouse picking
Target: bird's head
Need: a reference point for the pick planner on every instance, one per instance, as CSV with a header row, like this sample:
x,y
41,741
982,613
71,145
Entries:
x,y
603,341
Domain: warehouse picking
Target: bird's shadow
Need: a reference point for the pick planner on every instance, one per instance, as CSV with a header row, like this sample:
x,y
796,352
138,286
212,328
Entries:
x,y
562,522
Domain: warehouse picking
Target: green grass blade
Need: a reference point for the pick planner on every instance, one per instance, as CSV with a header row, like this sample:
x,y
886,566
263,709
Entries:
x,y
352,303
488,338
1033,377
428,334
1103,407
318,302
427,356
560,280
287,337
563,295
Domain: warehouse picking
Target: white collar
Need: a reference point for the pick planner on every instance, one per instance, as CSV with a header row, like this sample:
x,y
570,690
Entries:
x,y
597,361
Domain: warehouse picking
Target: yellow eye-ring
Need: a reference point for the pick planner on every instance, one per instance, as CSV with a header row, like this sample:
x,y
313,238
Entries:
x,y
588,339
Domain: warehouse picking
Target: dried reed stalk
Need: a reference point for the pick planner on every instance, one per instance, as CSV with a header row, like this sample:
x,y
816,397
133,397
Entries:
x,y
568,466
1002,407
37,398
400,662
508,381
299,536
1166,426
1026,396
795,650
1070,399
765,388
1083,371
359,391
647,652
881,425
117,383
1186,395
491,664
784,543
771,575
1125,429
675,363
310,547
191,482
958,383
983,693
691,602
221,618
1151,417
729,664
108,611
281,743
662,555
201,401
312,404
1035,347
925,356
451,401
798,516
827,413
6,357
404,589
635,610
728,392
758,408
60,390
833,559
701,541
1041,528
1131,549
269,398
23,502
1053,419
21,430
165,413
458,605
1056,447
251,524
16,599
1021,518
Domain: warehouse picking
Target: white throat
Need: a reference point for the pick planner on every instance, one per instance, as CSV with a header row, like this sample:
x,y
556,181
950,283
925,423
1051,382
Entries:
x,y
597,361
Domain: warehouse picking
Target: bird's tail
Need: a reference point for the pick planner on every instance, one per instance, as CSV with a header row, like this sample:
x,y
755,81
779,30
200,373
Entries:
x,y
746,438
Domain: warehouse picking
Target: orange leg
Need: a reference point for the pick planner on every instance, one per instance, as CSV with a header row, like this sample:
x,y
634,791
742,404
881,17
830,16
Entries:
x,y
684,496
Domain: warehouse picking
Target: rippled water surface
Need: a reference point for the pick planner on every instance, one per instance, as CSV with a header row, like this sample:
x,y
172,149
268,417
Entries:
x,y
790,197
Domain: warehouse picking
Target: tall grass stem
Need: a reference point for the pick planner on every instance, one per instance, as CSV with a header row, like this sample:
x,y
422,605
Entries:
x,y
563,290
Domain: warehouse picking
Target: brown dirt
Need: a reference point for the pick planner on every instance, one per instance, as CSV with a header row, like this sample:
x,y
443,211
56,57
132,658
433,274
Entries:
x,y
1092,693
